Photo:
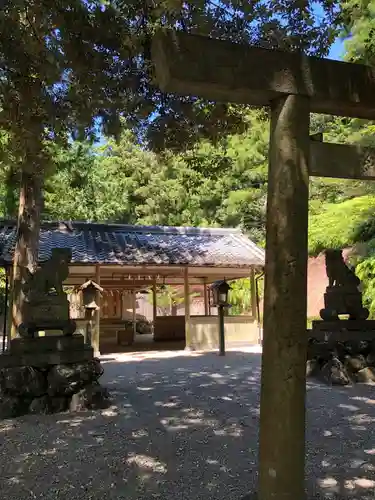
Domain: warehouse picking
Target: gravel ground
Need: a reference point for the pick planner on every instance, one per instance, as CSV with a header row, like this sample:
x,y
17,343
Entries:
x,y
184,426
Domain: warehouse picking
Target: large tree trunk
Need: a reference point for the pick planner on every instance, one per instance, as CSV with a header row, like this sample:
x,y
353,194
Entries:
x,y
27,244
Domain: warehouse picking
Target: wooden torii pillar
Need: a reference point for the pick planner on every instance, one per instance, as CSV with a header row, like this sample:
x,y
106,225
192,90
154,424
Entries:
x,y
292,85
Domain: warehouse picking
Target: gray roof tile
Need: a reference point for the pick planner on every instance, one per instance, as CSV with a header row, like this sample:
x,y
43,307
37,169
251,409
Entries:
x,y
140,245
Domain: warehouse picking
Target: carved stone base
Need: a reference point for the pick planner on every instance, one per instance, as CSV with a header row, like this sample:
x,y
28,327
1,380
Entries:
x,y
45,358
359,326
47,306
339,300
50,343
343,330
48,313
29,330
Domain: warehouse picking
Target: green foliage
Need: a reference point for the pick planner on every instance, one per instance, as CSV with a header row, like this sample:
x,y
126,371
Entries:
x,y
341,211
2,291
310,320
70,193
338,225
240,296
170,297
365,271
66,63
62,66
208,185
359,28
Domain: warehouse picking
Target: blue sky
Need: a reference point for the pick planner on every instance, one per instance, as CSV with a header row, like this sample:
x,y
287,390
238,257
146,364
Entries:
x,y
337,50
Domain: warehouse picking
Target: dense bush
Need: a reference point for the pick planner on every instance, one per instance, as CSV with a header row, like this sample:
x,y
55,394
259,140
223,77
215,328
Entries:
x,y
365,271
342,224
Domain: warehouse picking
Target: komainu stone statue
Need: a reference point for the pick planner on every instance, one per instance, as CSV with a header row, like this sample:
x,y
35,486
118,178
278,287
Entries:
x,y
343,295
49,277
46,303
338,273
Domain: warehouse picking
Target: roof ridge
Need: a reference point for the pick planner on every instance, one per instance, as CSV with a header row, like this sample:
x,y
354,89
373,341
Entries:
x,y
251,244
134,228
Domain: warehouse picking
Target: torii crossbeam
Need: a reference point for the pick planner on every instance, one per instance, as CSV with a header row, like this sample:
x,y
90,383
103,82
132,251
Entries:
x,y
292,85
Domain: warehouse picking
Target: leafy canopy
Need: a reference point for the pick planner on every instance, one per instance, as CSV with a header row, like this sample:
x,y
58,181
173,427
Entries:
x,y
66,64
358,18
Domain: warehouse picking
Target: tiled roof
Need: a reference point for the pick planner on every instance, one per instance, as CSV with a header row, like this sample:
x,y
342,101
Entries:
x,y
140,245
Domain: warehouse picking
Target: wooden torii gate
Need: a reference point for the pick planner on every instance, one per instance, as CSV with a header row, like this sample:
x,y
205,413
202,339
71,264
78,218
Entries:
x,y
292,85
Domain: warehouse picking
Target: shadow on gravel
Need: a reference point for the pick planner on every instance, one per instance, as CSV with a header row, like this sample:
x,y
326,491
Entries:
x,y
341,440
183,426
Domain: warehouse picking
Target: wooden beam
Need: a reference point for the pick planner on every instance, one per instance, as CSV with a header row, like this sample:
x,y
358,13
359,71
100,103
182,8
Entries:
x,y
226,71
283,381
212,273
341,161
108,283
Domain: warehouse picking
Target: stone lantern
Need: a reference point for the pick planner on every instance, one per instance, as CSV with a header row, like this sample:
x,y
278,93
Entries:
x,y
220,290
89,291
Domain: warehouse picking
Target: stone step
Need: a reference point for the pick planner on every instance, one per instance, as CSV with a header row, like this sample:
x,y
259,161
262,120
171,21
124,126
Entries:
x,y
46,344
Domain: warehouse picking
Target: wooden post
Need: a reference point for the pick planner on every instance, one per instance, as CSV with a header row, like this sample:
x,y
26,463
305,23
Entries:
x,y
134,303
221,314
154,305
187,309
283,385
89,313
205,295
253,294
96,333
154,301
254,304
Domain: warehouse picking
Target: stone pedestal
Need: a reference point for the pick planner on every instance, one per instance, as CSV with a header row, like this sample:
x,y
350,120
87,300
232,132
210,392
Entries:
x,y
364,325
49,312
50,374
342,300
